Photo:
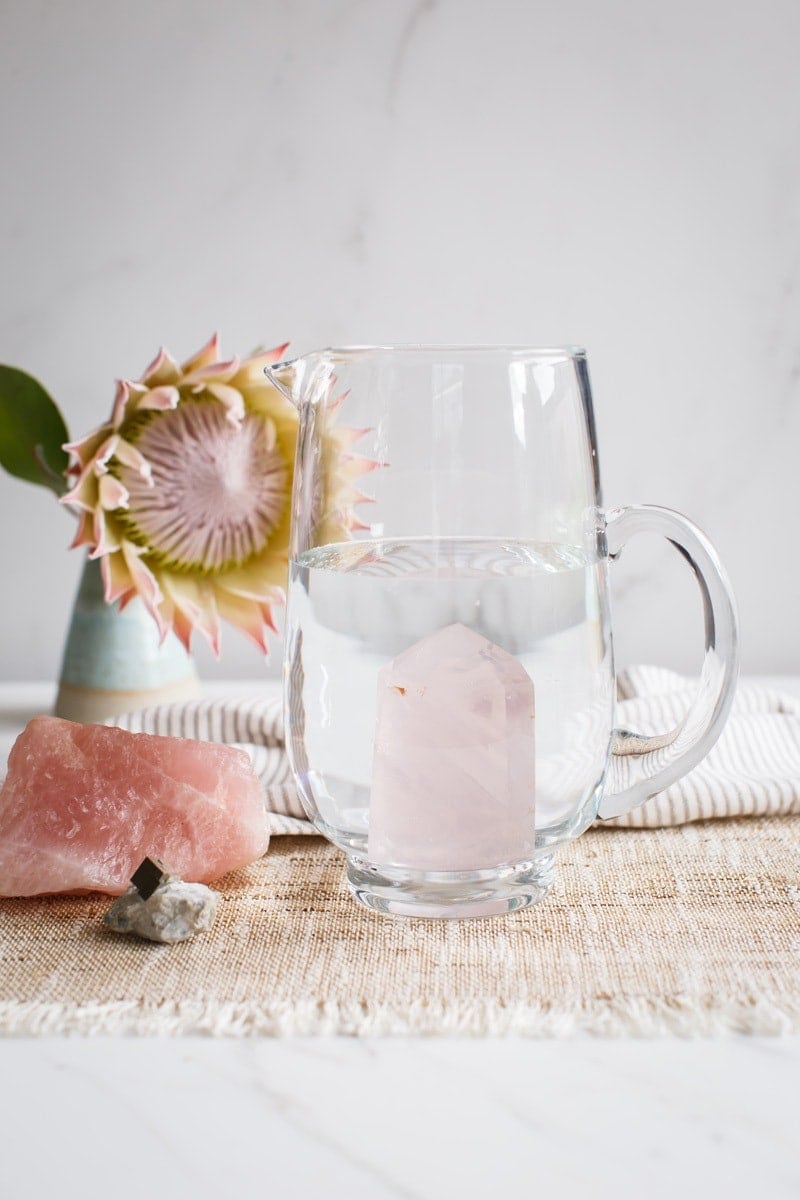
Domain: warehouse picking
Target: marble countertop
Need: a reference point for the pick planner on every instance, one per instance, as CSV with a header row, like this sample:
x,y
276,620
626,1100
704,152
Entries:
x,y
429,1119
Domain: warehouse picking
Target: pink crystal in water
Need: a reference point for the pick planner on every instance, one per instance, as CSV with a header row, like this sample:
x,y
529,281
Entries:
x,y
453,771
83,805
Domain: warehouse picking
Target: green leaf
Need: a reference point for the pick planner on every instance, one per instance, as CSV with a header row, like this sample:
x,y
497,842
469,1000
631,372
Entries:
x,y
32,431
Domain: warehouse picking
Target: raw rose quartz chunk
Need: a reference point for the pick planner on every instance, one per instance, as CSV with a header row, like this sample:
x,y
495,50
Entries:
x,y
82,805
453,772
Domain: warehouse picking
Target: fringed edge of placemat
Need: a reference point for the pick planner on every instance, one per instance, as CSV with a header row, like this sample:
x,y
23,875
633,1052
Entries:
x,y
682,1016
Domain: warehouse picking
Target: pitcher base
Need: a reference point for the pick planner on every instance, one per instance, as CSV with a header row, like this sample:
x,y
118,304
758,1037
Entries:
x,y
404,893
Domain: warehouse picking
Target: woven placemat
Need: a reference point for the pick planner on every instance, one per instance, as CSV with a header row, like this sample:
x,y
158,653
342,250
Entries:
x,y
689,930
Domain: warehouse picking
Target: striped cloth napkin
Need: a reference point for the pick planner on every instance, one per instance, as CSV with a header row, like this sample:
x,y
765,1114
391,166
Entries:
x,y
754,769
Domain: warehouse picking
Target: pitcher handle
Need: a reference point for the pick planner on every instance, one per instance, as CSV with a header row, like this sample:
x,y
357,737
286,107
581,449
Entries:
x,y
655,763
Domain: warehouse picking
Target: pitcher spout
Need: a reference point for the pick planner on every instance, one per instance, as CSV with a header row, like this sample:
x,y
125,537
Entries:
x,y
300,379
284,376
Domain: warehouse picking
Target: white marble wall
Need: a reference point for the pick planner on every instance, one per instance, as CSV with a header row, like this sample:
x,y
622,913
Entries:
x,y
624,174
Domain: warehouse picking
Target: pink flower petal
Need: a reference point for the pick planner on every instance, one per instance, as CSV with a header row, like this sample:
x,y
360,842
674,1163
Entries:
x,y
205,355
84,494
265,358
183,628
159,399
121,399
163,369
195,608
117,579
104,453
333,407
348,437
251,370
84,450
208,623
145,583
270,432
106,539
230,398
354,465
268,618
84,533
111,493
240,582
247,615
127,454
356,497
217,372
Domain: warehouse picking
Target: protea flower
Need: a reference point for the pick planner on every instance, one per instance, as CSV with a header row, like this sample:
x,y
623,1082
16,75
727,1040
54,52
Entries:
x,y
183,494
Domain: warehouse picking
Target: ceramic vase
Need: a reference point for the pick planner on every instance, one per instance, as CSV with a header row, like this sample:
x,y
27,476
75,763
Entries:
x,y
113,662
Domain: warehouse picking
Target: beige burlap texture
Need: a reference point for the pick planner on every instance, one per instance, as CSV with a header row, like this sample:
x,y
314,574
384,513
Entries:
x,y
689,930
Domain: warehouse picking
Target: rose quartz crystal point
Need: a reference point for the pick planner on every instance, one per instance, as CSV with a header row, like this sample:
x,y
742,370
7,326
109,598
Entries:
x,y
453,772
82,805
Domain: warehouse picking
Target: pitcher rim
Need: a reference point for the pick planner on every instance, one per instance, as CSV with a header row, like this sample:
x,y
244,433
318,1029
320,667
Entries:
x,y
564,351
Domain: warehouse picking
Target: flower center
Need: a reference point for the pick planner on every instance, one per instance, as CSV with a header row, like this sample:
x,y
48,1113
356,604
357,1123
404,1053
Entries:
x,y
218,489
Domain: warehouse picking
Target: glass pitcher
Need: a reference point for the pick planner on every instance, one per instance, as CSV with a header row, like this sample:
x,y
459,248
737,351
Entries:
x,y
449,665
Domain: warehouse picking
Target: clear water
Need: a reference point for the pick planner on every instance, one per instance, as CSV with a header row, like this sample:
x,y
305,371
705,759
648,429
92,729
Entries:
x,y
354,607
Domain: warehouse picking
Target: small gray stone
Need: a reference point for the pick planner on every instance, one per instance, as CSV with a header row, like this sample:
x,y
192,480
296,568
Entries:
x,y
174,912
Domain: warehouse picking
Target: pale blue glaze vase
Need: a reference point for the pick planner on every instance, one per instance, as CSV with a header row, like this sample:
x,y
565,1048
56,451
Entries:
x,y
113,662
